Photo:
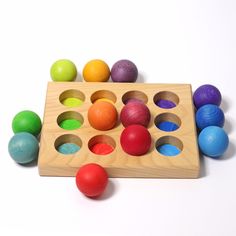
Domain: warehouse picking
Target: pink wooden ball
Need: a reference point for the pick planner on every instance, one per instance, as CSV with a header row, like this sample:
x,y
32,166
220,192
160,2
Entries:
x,y
135,113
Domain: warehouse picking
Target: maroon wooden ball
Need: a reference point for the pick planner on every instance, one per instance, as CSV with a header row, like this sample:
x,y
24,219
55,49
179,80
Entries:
x,y
135,140
135,113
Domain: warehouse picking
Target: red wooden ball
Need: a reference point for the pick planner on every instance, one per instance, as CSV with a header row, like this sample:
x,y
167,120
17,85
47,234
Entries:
x,y
135,113
135,140
91,180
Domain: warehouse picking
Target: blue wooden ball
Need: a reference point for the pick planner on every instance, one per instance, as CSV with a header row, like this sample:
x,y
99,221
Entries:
x,y
209,115
213,141
23,148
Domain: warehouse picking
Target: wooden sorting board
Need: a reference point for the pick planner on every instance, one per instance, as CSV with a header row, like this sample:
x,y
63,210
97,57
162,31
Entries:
x,y
118,163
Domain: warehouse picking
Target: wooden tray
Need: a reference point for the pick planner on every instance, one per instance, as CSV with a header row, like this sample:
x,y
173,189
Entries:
x,y
118,163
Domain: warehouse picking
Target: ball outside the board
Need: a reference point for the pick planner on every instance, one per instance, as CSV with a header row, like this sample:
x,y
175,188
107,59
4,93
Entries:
x,y
124,71
96,71
135,140
23,148
206,94
135,113
63,71
91,180
27,121
213,141
209,115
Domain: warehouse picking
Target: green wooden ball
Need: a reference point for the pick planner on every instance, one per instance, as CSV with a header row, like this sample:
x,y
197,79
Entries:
x,y
63,71
27,121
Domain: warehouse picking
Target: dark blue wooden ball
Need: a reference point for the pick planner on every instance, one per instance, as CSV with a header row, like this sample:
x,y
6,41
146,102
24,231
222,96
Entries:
x,y
209,115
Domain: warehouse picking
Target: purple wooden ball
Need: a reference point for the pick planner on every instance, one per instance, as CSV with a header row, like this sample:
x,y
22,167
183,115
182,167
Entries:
x,y
124,71
206,94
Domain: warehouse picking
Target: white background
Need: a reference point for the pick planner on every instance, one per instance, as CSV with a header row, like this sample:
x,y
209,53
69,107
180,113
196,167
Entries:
x,y
170,41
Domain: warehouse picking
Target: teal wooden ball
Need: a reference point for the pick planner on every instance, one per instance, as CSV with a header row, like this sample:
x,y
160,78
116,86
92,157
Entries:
x,y
23,148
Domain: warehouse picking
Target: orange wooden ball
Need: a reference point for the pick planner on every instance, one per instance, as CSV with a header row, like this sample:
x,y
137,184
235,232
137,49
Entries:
x,y
96,71
102,115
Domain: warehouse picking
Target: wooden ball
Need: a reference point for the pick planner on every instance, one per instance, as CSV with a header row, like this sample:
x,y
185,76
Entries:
x,y
135,113
102,115
213,141
91,180
124,71
23,148
96,71
135,140
207,94
209,115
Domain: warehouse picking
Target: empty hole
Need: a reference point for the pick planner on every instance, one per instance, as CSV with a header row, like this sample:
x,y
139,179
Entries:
x,y
166,99
134,96
101,144
169,146
68,144
72,98
70,120
103,95
167,122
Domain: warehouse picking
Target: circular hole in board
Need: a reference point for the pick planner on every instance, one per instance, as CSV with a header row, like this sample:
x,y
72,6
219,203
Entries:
x,y
167,122
169,146
101,144
72,98
68,144
134,96
103,95
166,100
70,120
